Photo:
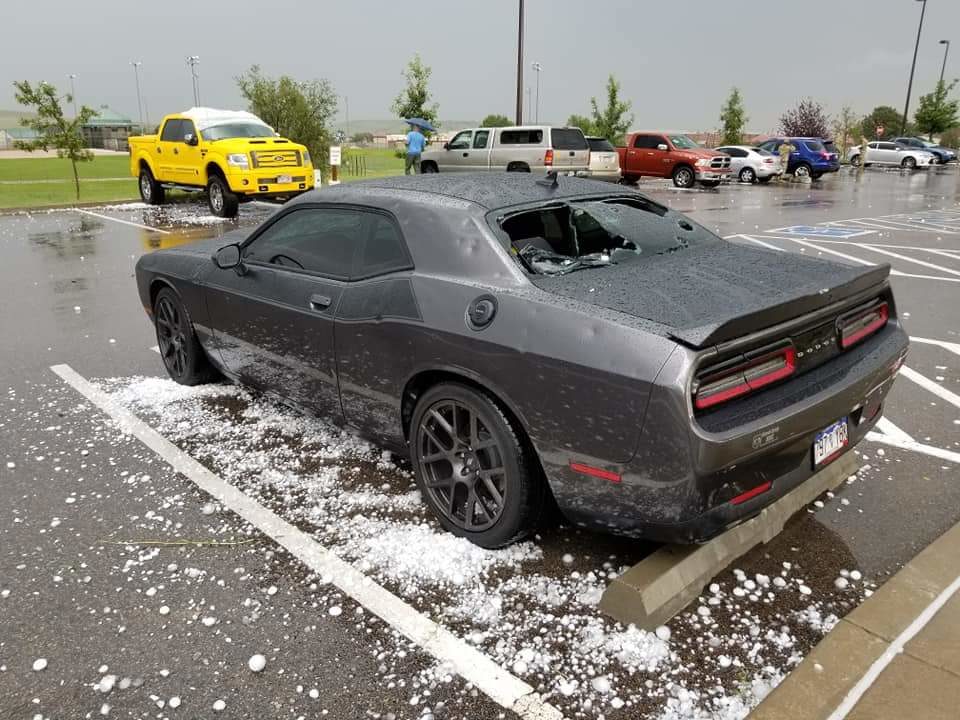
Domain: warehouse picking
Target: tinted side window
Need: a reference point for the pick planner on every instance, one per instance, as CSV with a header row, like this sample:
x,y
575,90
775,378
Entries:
x,y
172,131
521,137
480,139
319,240
770,145
601,145
887,146
568,139
814,145
383,249
733,152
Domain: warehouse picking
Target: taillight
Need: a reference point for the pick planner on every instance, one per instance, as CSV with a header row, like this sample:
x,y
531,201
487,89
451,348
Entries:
x,y
861,324
548,157
739,378
825,155
768,160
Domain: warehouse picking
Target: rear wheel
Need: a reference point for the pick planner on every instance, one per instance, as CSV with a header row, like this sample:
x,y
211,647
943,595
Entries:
x,y
748,175
802,171
474,468
683,177
909,163
428,167
184,359
855,161
151,192
223,202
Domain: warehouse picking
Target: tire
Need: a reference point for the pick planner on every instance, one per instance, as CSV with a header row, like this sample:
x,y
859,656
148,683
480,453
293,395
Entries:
x,y
223,203
630,180
855,161
765,180
908,163
683,176
429,168
183,357
151,192
936,161
802,170
518,167
456,433
748,175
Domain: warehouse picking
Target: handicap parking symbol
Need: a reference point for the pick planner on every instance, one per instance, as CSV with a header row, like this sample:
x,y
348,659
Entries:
x,y
822,231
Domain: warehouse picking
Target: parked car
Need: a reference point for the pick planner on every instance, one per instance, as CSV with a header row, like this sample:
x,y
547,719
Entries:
x,y
233,156
750,164
533,148
812,157
942,154
671,155
890,153
604,161
529,340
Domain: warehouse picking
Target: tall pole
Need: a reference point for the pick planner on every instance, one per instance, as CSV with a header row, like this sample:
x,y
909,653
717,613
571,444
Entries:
x,y
136,74
906,105
520,68
346,103
529,102
73,92
537,68
945,51
193,61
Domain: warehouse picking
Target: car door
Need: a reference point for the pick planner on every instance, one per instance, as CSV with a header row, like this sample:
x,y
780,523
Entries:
x,y
647,158
188,159
479,158
273,320
372,331
457,155
890,153
165,161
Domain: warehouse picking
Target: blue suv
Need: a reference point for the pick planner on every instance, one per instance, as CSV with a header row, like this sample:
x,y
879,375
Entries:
x,y
942,154
812,157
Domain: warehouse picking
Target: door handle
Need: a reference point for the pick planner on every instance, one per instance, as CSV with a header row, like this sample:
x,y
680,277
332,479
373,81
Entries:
x,y
320,302
466,154
176,151
572,153
159,151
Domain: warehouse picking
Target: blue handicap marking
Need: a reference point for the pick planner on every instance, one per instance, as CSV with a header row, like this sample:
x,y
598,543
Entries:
x,y
820,231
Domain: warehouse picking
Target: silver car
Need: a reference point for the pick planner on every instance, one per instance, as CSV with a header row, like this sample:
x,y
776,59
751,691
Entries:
x,y
751,164
891,153
530,148
604,160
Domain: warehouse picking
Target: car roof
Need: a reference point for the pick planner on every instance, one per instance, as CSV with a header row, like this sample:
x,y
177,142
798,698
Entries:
x,y
490,190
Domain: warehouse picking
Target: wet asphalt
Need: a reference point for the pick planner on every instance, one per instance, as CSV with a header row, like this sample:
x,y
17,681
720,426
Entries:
x,y
73,493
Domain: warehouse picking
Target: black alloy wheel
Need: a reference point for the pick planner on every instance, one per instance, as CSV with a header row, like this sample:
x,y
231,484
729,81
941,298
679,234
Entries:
x,y
182,355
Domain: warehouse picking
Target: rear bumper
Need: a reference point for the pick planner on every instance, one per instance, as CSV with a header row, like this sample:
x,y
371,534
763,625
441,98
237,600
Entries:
x,y
606,175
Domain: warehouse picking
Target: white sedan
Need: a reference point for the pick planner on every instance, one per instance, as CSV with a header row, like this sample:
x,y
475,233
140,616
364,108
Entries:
x,y
749,164
890,153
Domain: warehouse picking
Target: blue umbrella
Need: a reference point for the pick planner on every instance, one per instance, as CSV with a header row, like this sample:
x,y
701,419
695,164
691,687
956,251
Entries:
x,y
420,123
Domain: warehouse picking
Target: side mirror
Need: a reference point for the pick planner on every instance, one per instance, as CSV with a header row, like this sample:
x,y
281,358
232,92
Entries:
x,y
228,257
662,146
190,139
446,146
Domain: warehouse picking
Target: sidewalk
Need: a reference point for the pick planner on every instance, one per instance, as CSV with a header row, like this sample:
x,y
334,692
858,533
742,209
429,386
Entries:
x,y
895,656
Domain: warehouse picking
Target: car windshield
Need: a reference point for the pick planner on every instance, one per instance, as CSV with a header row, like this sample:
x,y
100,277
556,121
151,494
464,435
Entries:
x,y
237,130
682,142
580,234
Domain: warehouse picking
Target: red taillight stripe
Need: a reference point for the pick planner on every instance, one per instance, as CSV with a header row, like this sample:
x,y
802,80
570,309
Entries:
x,y
882,315
758,490
748,384
595,472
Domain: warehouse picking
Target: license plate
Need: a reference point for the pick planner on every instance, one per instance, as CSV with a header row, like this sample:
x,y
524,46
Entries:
x,y
830,442
284,179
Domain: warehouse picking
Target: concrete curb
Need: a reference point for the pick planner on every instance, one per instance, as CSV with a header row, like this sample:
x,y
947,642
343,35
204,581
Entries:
x,y
815,689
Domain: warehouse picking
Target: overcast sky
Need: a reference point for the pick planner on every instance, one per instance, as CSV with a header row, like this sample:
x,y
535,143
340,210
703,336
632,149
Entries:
x,y
677,59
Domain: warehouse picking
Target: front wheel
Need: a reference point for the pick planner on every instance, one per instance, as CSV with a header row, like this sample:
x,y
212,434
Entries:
x,y
183,357
223,202
748,175
855,161
909,163
683,177
151,192
474,467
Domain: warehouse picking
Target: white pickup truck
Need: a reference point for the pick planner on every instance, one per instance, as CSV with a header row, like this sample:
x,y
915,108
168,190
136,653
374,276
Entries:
x,y
528,148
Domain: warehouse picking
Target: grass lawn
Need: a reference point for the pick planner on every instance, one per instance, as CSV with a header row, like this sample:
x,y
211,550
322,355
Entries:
x,y
36,194
51,168
378,162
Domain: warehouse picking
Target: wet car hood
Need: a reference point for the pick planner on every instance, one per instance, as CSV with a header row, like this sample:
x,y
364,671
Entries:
x,y
716,291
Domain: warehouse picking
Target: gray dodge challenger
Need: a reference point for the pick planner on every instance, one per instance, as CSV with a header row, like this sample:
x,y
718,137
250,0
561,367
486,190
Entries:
x,y
539,343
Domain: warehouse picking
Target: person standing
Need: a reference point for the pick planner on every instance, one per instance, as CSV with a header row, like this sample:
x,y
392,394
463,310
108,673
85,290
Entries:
x,y
415,144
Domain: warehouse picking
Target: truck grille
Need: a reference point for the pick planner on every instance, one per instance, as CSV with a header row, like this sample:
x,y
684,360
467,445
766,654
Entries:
x,y
720,162
275,158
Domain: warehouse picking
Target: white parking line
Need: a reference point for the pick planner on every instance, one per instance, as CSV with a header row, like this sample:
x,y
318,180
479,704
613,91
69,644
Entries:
x,y
123,222
948,251
951,346
893,650
758,242
892,431
505,689
924,263
914,446
927,384
831,252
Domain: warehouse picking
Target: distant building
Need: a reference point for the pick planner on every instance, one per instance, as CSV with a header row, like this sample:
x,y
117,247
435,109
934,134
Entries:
x,y
9,136
109,130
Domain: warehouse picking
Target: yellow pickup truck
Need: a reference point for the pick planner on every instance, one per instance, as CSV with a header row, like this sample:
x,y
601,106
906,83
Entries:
x,y
234,156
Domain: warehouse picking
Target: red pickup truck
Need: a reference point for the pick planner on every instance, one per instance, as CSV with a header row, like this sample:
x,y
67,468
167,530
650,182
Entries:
x,y
671,155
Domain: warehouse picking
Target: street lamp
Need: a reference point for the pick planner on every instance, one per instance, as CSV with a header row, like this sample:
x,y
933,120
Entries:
x,y
945,51
906,105
537,67
520,68
193,61
73,92
136,73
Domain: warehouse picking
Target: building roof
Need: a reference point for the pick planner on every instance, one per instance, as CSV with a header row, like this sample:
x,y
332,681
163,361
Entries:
x,y
21,133
109,118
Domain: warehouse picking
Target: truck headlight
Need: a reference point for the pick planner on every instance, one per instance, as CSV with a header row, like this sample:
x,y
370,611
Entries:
x,y
238,160
306,157
703,162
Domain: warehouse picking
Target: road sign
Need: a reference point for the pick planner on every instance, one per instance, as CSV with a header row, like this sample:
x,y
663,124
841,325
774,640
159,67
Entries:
x,y
335,155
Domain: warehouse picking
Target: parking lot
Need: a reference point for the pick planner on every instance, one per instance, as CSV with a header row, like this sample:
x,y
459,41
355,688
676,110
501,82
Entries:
x,y
150,561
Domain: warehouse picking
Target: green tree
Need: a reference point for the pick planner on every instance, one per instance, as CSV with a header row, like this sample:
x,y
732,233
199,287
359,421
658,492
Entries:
x,y
886,117
936,111
951,138
363,138
300,111
807,119
582,122
734,118
845,128
611,122
415,99
496,120
53,130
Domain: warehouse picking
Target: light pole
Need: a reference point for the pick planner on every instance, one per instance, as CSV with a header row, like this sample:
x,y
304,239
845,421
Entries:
x,y
73,92
520,68
346,106
945,51
136,73
913,65
537,67
193,61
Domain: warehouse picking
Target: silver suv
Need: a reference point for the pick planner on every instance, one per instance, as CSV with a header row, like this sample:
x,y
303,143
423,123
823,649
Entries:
x,y
530,148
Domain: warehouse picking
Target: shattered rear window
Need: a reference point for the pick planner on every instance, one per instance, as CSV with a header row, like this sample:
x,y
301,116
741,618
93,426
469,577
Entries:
x,y
561,238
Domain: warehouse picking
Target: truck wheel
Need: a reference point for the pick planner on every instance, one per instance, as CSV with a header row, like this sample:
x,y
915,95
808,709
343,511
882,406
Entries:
x,y
629,179
748,175
683,177
223,203
151,192
428,168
